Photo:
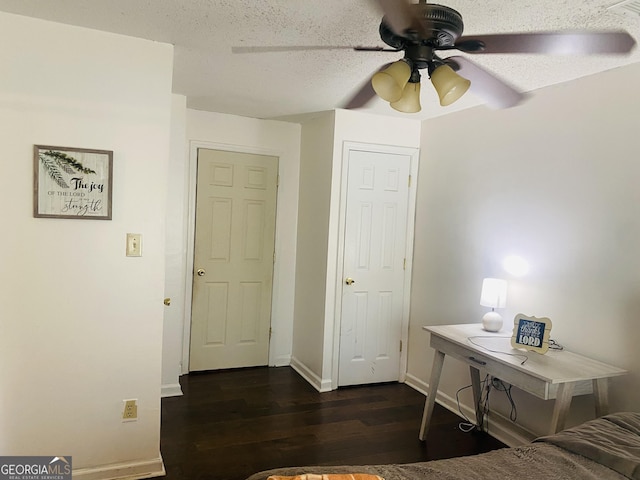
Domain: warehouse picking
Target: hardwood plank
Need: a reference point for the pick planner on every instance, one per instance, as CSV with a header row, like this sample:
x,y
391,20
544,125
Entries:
x,y
232,423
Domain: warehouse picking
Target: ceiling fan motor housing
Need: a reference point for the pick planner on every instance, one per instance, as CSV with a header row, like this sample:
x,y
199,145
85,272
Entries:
x,y
443,24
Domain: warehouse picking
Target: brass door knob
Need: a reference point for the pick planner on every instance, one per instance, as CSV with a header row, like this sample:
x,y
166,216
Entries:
x,y
201,272
349,281
167,301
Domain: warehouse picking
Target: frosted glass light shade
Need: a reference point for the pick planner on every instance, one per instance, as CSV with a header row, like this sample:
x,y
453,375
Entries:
x,y
494,293
410,100
449,85
389,83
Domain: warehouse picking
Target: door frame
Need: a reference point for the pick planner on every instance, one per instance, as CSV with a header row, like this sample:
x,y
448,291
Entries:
x,y
414,155
194,145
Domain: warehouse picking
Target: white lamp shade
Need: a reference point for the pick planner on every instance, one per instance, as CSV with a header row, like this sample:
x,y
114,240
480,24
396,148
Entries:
x,y
389,83
494,293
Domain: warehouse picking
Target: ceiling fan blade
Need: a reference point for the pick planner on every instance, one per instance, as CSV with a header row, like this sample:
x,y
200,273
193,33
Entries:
x,y
301,48
554,43
295,48
364,94
361,97
376,49
484,84
402,17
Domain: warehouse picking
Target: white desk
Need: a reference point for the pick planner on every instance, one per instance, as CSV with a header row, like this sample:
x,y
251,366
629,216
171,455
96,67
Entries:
x,y
556,374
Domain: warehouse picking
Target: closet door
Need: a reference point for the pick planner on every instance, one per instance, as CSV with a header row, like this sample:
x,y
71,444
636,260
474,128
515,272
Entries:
x,y
373,290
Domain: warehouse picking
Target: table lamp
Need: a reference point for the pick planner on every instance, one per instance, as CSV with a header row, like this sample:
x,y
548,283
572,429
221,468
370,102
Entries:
x,y
494,295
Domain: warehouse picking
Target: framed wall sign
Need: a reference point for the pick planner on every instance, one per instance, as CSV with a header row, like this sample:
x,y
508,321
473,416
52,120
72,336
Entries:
x,y
72,183
531,333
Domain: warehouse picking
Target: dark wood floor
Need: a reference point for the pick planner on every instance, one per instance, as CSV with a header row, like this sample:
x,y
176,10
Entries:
x,y
230,424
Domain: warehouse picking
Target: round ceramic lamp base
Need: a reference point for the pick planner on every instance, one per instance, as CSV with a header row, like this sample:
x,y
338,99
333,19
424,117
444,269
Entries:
x,y
492,321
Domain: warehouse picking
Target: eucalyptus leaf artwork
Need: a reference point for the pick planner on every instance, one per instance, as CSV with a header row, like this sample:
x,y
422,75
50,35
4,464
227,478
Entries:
x,y
52,161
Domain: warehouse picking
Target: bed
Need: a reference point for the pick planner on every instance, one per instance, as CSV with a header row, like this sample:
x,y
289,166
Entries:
x,y
604,448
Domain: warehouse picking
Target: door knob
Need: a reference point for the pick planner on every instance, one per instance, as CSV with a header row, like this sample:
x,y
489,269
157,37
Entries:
x,y
201,272
349,281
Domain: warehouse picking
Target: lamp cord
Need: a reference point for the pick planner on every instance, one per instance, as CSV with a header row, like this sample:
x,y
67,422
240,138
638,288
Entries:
x,y
519,355
487,384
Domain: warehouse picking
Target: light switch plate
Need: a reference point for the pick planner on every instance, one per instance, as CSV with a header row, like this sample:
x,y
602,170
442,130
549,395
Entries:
x,y
134,245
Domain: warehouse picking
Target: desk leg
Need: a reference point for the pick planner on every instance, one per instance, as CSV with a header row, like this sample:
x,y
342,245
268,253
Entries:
x,y
436,370
561,407
477,394
601,392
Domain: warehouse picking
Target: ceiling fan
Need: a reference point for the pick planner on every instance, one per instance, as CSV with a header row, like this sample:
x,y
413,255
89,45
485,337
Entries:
x,y
422,30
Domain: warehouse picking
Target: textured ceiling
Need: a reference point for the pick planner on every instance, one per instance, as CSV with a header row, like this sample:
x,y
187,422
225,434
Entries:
x,y
285,84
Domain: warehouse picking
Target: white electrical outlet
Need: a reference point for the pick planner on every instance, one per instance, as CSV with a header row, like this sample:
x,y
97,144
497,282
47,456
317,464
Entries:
x,y
134,245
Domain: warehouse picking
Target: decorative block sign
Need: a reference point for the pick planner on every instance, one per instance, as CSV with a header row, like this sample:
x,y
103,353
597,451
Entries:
x,y
531,333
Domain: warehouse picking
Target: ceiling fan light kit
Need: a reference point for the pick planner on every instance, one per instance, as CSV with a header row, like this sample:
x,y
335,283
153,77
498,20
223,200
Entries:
x,y
439,26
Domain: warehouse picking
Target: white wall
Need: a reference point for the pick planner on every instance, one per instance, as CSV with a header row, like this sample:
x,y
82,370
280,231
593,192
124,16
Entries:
x,y
316,163
556,181
267,137
176,250
81,324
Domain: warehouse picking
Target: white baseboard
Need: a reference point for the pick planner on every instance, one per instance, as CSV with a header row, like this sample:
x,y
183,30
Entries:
x,y
281,361
122,471
315,381
171,390
499,426
416,384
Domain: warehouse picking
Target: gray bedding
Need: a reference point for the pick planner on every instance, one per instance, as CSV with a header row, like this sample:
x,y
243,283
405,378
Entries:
x,y
602,449
613,441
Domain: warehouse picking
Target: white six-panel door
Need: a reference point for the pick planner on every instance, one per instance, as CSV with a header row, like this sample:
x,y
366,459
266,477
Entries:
x,y
373,266
233,259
